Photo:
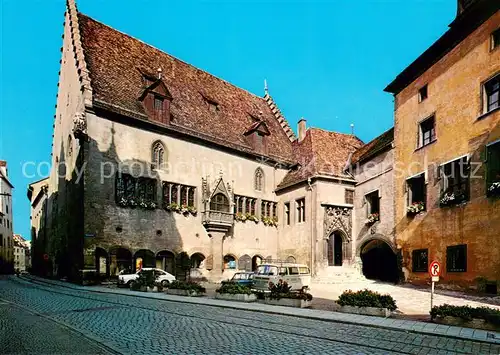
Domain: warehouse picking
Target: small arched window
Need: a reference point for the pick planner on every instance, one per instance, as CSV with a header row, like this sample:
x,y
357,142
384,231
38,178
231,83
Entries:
x,y
70,146
259,180
219,202
158,154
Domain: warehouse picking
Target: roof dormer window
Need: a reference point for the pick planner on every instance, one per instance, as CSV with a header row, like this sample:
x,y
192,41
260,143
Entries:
x,y
158,103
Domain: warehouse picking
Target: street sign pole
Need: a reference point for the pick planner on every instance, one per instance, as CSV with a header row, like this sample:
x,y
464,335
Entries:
x,y
434,272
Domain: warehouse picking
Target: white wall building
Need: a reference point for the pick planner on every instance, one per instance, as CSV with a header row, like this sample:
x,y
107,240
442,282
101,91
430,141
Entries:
x,y
6,220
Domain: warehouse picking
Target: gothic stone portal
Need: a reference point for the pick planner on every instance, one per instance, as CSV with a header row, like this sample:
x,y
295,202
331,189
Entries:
x,y
338,230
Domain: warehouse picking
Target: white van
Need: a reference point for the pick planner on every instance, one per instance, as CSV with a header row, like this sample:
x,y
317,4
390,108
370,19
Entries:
x,y
298,276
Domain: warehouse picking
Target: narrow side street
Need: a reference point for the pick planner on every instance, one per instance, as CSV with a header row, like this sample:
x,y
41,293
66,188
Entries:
x,y
127,325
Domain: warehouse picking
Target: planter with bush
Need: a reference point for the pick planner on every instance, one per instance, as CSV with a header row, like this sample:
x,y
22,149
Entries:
x,y
466,316
185,288
366,302
233,292
144,282
281,295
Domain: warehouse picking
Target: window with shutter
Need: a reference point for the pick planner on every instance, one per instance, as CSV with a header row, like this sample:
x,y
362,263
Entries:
x,y
455,182
420,260
493,169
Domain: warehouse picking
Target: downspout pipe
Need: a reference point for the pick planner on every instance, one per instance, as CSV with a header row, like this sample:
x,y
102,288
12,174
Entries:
x,y
310,188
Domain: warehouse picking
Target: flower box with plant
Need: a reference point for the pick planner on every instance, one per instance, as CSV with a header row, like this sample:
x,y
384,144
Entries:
x,y
415,208
372,218
366,302
251,217
231,291
494,189
240,217
451,198
281,295
185,288
173,207
466,316
270,221
192,210
150,205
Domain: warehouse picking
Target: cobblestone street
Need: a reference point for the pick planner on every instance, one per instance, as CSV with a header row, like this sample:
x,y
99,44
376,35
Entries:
x,y
54,319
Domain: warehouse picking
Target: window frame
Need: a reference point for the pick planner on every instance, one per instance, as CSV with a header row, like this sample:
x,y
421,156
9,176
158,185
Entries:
x,y
300,205
493,147
286,210
494,44
486,96
259,180
410,198
414,258
445,179
350,191
453,248
369,209
423,90
217,204
421,132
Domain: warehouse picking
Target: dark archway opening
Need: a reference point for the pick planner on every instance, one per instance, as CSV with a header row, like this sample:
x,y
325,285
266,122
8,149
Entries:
x,y
165,260
379,261
256,261
120,259
144,258
101,262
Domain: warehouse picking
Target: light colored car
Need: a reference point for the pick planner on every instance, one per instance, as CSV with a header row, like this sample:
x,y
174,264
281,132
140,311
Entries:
x,y
298,276
161,276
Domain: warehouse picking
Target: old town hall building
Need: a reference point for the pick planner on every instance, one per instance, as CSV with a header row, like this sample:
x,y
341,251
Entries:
x,y
158,163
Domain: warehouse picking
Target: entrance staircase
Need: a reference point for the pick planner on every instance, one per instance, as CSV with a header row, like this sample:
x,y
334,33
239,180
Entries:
x,y
339,275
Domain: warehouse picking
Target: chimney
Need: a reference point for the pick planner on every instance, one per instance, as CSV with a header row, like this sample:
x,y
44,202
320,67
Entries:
x,y
3,167
302,129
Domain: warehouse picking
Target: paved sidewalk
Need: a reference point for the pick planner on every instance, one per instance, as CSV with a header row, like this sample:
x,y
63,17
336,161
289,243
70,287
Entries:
x,y
388,323
413,302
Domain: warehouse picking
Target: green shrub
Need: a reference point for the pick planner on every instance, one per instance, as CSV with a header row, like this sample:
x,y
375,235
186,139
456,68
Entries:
x,y
135,285
146,278
233,289
186,285
367,298
282,290
468,313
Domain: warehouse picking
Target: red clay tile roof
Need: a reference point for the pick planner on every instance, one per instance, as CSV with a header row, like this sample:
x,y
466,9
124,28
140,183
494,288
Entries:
x,y
117,64
321,153
373,148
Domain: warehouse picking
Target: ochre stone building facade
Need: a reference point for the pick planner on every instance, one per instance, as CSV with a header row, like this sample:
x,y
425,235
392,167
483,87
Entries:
x,y
447,144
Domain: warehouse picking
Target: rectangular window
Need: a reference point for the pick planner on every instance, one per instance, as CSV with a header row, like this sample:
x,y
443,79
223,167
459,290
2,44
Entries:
x,y
166,194
274,210
158,104
7,209
422,93
427,131
287,213
252,207
174,194
495,39
301,210
1,240
373,200
349,196
146,190
492,93
239,204
420,259
183,195
191,193
492,167
8,224
455,180
456,258
417,190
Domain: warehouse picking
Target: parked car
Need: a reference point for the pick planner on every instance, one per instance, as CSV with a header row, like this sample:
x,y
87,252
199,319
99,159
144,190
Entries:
x,y
161,276
243,278
298,276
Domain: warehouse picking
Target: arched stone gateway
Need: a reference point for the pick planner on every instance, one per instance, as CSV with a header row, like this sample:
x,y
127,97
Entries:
x,y
245,263
120,259
379,260
197,261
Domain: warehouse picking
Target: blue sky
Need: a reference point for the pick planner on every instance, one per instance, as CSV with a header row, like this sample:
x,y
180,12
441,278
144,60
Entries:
x,y
327,61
